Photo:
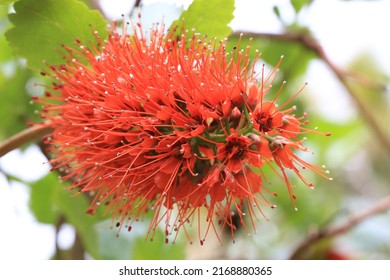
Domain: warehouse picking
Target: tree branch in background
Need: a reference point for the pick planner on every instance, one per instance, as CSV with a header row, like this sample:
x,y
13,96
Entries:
x,y
23,137
313,45
76,252
136,5
332,231
95,4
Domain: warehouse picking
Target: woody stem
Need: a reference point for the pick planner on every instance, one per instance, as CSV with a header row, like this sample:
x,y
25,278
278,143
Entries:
x,y
23,137
332,231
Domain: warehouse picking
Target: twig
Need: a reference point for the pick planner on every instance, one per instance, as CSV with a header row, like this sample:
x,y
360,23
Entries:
x,y
95,4
136,5
23,137
59,254
76,252
332,231
313,45
367,81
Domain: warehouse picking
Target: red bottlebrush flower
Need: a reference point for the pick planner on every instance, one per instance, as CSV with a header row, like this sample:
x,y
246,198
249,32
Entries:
x,y
172,125
267,118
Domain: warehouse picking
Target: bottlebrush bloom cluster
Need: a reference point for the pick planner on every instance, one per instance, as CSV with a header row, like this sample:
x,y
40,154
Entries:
x,y
172,125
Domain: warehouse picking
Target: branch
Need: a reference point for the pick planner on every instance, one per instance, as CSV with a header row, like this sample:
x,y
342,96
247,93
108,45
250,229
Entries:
x,y
95,4
332,231
313,45
136,5
23,137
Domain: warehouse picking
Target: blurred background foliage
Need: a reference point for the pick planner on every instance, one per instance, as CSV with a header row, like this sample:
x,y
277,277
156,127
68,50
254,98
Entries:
x,y
357,153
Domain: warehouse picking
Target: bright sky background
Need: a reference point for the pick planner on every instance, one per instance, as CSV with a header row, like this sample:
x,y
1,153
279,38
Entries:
x,y
344,28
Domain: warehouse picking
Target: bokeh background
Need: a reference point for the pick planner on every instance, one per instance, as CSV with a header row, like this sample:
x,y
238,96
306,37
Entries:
x,y
346,63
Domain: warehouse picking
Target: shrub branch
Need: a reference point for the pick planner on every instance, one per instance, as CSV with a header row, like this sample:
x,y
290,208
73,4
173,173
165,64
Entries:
x,y
332,231
23,137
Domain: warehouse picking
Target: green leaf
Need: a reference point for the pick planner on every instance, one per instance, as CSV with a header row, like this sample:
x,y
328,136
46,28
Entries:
x,y
42,26
299,4
157,249
49,199
295,56
42,196
6,2
114,246
369,83
6,52
207,17
16,109
74,210
295,61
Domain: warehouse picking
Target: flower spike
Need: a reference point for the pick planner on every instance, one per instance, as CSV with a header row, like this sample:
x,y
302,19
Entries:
x,y
172,125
